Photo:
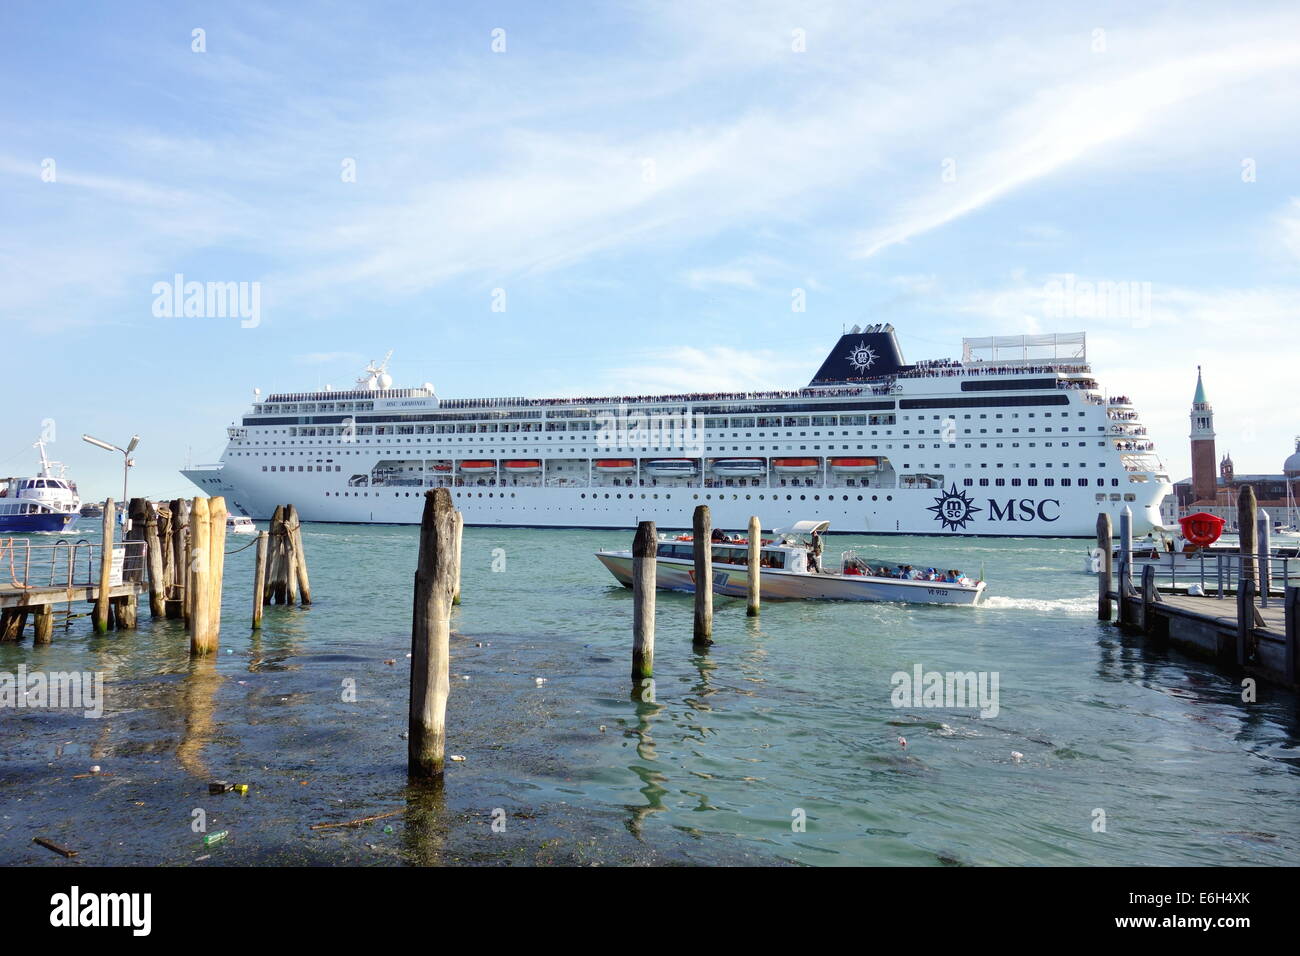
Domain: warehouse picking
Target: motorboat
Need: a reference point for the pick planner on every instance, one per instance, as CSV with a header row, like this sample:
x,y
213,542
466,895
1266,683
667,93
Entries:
x,y
789,568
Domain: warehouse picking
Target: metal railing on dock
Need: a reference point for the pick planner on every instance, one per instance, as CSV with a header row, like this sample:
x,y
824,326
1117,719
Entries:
x,y
26,566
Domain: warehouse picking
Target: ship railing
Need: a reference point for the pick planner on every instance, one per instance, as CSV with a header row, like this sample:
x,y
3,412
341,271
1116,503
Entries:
x,y
27,565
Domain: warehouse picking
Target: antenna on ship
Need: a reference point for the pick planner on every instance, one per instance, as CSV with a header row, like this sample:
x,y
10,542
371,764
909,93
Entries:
x,y
45,462
376,375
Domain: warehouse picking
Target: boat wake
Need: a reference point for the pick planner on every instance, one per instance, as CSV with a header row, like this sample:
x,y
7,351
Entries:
x,y
1079,605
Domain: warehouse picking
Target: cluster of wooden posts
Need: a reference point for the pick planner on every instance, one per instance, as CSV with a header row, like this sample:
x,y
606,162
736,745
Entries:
x,y
437,590
280,572
645,548
176,554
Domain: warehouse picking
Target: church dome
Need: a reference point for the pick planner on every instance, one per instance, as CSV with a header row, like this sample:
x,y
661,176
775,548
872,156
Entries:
x,y
1292,465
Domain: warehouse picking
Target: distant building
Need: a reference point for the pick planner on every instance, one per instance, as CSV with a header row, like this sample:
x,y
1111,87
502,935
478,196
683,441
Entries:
x,y
1217,493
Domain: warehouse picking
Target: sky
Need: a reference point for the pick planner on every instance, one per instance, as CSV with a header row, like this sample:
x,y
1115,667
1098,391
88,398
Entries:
x,y
628,197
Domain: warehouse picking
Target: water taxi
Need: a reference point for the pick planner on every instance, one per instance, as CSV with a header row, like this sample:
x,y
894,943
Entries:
x,y
789,569
47,502
240,524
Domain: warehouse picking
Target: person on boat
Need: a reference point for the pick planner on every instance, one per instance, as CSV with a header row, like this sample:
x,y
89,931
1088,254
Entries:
x,y
815,553
717,536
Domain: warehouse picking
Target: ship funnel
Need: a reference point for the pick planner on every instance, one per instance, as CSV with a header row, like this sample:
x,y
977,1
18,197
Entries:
x,y
861,357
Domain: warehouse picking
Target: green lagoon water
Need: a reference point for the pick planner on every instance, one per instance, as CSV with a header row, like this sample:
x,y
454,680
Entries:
x,y
785,717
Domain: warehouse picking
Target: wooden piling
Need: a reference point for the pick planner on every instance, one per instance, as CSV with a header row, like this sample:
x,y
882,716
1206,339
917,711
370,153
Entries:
x,y
154,558
1104,572
1246,517
289,566
644,549
43,623
178,603
197,584
702,537
294,528
430,637
217,514
460,533
12,620
105,569
259,580
276,564
753,581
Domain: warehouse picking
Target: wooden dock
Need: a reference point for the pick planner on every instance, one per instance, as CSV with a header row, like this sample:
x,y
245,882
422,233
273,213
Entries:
x,y
172,553
1254,634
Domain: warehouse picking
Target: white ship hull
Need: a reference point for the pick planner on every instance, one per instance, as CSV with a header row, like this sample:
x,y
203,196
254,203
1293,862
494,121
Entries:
x,y
1006,447
1065,513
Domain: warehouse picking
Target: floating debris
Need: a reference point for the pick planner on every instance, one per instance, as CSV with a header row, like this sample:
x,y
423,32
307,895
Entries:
x,y
51,845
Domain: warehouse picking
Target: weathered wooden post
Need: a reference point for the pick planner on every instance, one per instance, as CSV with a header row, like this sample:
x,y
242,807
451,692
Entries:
x,y
105,569
290,565
196,588
294,528
1263,531
1104,571
702,538
430,637
753,586
460,533
217,514
644,571
1246,517
276,566
154,557
178,604
259,579
43,624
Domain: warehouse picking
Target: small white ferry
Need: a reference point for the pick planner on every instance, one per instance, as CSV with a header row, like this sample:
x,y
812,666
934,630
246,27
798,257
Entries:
x,y
240,524
47,502
788,569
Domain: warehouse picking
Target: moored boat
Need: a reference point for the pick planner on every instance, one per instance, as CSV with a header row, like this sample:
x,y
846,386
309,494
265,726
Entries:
x,y
46,502
789,568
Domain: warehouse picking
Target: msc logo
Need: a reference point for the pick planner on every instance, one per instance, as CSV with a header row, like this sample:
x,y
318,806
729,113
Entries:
x,y
1026,508
954,509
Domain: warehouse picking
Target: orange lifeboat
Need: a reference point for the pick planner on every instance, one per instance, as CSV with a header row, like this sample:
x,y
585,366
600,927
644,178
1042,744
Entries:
x,y
854,466
796,466
523,467
481,466
615,466
442,466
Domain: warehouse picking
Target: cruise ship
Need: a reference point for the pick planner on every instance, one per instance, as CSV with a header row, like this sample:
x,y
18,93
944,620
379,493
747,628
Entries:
x,y
1015,438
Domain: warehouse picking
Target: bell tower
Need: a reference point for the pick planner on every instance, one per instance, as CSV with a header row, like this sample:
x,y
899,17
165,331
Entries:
x,y
1204,486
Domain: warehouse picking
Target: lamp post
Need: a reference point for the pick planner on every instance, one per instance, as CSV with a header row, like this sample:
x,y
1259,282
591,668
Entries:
x,y
127,462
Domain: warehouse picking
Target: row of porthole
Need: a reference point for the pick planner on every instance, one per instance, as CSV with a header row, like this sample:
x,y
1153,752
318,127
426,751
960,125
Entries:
x,y
630,496
760,497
